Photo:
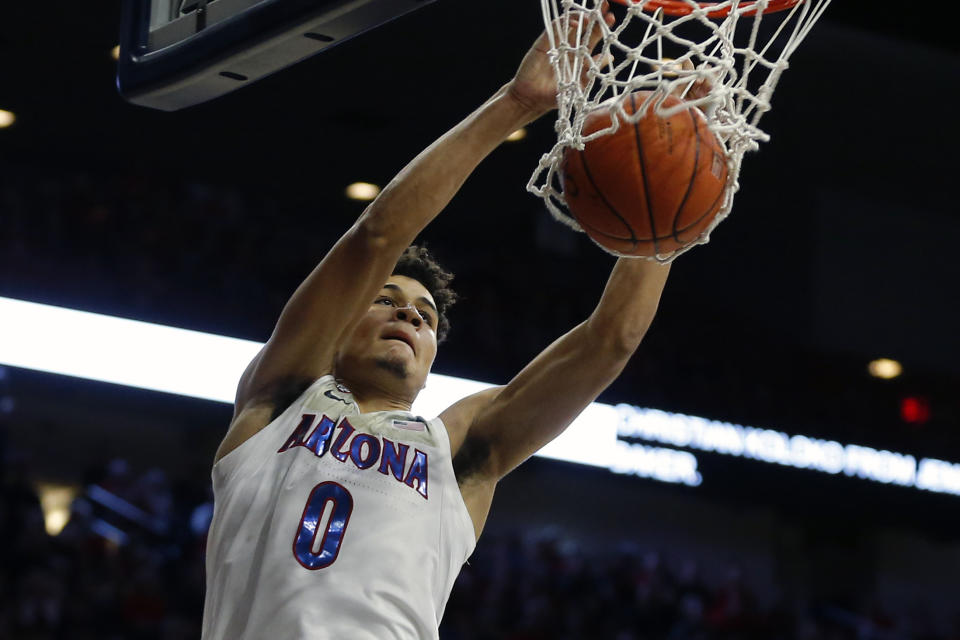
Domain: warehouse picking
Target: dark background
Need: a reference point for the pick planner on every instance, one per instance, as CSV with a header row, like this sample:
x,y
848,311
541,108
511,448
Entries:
x,y
839,250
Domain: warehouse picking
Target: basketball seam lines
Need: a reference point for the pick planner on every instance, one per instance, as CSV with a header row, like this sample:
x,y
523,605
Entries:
x,y
710,210
693,176
643,172
654,237
596,188
636,240
713,206
693,224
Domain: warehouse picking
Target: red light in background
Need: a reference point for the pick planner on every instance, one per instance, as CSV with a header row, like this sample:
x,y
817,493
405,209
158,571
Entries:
x,y
915,410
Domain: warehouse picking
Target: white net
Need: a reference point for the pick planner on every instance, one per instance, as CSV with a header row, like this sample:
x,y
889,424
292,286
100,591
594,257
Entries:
x,y
723,57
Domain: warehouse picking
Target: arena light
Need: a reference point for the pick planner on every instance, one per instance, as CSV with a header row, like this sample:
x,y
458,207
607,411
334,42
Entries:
x,y
517,135
362,191
885,368
115,52
55,501
7,118
623,438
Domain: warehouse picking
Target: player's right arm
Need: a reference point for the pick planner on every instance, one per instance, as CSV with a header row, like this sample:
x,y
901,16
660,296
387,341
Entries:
x,y
341,287
304,342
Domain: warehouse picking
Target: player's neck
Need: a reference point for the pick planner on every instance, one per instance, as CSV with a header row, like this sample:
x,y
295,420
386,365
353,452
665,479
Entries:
x,y
372,397
372,403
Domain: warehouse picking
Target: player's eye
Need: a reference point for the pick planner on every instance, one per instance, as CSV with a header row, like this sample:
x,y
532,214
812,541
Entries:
x,y
426,317
384,300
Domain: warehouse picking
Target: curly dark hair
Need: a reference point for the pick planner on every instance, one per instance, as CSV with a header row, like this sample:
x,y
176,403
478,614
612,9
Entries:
x,y
417,263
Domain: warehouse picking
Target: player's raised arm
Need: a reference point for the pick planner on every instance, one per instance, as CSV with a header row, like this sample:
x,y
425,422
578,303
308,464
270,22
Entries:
x,y
496,430
346,281
338,291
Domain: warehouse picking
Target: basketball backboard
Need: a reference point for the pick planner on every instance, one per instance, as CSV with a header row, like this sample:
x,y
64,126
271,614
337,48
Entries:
x,y
177,53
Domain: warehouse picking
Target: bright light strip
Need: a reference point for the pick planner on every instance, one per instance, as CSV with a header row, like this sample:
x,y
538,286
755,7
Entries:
x,y
128,352
208,366
7,118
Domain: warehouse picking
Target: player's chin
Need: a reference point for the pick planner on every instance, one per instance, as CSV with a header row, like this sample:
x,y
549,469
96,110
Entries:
x,y
398,366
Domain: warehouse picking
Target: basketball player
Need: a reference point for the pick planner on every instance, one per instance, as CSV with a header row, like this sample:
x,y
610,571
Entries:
x,y
338,513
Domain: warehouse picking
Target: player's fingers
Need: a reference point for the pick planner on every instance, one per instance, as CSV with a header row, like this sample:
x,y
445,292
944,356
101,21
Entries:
x,y
603,59
596,32
600,60
702,87
666,66
572,26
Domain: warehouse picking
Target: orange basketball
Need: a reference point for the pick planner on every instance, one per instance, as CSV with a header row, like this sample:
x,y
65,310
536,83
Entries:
x,y
649,188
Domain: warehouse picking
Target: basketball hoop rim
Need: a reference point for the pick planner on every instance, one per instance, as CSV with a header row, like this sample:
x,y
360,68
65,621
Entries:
x,y
681,8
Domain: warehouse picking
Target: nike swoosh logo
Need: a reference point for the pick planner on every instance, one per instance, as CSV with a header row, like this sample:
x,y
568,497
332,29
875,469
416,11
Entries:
x,y
330,395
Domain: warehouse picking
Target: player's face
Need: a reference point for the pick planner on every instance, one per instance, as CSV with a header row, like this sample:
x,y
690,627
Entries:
x,y
397,335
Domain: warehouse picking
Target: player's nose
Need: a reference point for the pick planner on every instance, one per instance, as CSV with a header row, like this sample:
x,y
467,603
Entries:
x,y
408,314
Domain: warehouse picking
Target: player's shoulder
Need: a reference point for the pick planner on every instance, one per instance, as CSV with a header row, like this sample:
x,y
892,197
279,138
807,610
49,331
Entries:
x,y
461,415
325,393
269,404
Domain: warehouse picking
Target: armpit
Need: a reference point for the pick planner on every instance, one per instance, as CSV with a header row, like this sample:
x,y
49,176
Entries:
x,y
472,458
284,393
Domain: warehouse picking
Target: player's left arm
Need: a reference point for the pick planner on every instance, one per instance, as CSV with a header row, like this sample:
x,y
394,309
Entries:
x,y
494,431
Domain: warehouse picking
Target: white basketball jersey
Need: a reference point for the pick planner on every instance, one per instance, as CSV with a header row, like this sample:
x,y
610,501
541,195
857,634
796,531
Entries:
x,y
332,524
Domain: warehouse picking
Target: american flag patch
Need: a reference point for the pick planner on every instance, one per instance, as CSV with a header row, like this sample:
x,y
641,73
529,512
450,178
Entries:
x,y
409,425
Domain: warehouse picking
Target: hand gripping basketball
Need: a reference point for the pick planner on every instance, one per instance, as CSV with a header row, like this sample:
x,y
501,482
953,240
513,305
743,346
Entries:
x,y
535,84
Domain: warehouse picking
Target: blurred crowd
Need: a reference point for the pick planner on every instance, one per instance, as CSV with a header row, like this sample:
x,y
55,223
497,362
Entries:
x,y
131,568
107,574
545,586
